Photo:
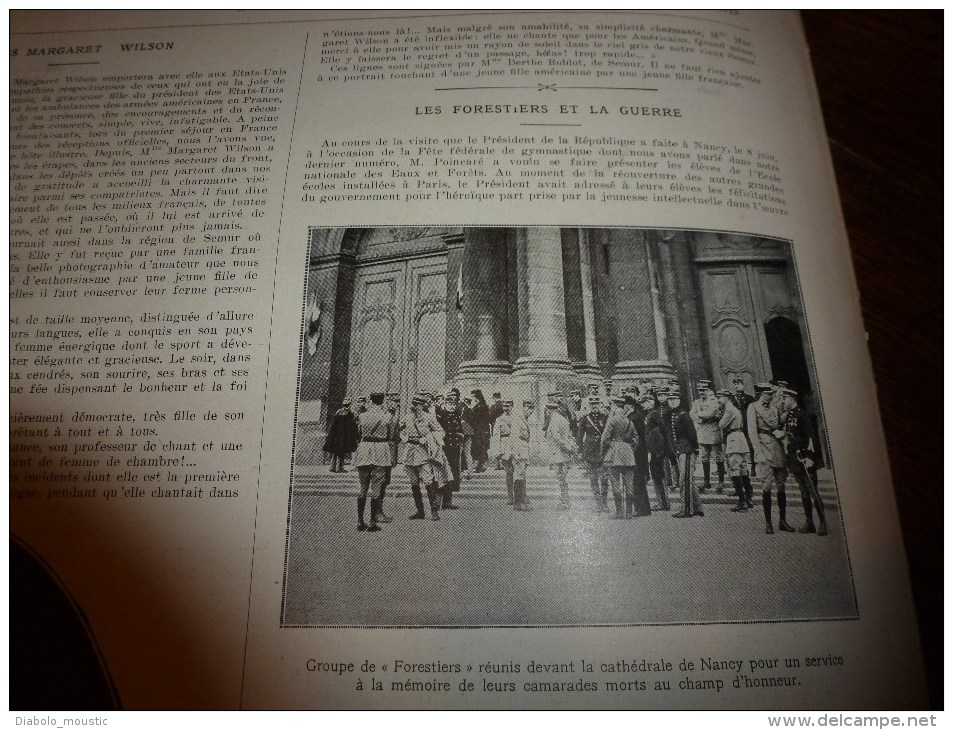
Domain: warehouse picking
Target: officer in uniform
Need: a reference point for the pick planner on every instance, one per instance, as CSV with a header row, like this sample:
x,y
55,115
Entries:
x,y
372,458
800,460
765,433
502,445
561,447
731,426
419,433
683,444
706,412
741,400
450,417
618,457
656,446
591,427
393,406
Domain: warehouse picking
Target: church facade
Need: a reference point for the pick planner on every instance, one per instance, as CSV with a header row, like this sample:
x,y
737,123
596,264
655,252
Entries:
x,y
525,310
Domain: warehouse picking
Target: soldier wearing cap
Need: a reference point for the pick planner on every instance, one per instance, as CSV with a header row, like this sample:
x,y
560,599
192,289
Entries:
x,y
511,444
591,427
641,505
618,458
736,450
706,412
764,431
741,399
607,387
800,460
421,436
361,405
653,434
496,410
560,447
372,459
683,443
392,407
450,417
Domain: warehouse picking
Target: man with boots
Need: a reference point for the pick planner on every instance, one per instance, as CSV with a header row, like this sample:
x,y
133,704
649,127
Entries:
x,y
561,447
496,410
372,459
740,399
419,433
706,412
683,443
502,445
765,433
393,406
736,449
800,460
654,444
591,427
450,417
619,458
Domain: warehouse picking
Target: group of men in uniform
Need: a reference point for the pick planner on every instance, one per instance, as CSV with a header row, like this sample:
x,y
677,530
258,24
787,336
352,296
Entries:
x,y
623,440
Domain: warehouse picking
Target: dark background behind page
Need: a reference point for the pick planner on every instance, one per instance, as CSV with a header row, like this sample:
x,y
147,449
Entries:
x,y
880,79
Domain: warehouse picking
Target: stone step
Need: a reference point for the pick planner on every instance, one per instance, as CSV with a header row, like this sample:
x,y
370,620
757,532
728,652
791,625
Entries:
x,y
540,484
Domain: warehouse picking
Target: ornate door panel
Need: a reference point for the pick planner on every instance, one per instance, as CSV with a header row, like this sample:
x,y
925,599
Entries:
x,y
398,342
426,325
735,332
376,345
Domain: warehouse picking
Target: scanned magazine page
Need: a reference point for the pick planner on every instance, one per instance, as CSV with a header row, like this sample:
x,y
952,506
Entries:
x,y
447,361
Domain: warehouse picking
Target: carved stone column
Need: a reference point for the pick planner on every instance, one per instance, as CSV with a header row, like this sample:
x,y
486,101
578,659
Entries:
x,y
544,361
481,286
640,321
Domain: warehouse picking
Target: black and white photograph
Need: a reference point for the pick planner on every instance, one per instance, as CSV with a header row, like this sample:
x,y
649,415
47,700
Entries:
x,y
558,426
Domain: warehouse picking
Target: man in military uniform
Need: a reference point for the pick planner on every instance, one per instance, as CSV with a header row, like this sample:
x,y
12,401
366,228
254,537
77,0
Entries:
x,y
643,422
655,444
419,434
765,433
800,461
560,448
393,406
591,427
496,410
618,457
683,443
731,426
450,417
741,400
372,458
706,412
511,444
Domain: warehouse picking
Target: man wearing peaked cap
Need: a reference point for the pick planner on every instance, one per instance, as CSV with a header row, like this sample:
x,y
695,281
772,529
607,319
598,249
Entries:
x,y
798,445
618,457
560,448
422,436
591,426
372,459
731,426
706,412
764,432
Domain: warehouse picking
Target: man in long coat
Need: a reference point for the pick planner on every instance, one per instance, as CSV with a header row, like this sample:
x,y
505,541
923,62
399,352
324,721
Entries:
x,y
342,436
